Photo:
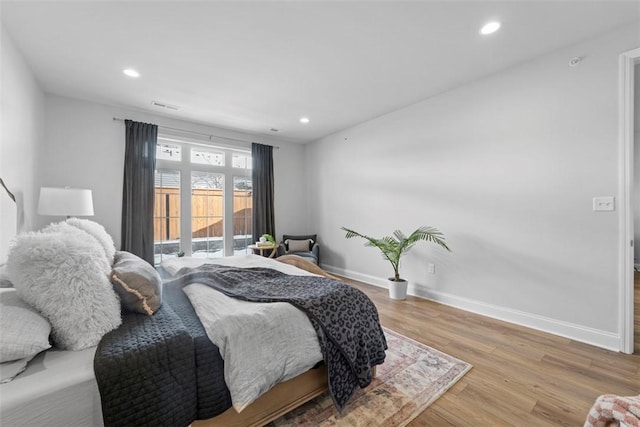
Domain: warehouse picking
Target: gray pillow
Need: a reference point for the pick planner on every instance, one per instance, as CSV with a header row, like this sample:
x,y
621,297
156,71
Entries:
x,y
24,332
137,283
64,274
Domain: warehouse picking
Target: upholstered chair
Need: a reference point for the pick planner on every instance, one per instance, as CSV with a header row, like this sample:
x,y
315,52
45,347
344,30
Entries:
x,y
305,246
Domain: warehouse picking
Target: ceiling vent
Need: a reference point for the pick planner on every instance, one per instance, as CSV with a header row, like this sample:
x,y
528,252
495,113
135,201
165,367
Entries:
x,y
167,106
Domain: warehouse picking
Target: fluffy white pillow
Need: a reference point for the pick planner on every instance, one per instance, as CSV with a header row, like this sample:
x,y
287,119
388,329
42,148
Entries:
x,y
97,231
64,274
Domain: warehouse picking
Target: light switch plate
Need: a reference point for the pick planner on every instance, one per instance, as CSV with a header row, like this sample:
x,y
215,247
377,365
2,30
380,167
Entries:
x,y
603,203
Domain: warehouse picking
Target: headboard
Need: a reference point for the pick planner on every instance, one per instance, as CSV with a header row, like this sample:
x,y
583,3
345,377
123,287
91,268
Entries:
x,y
8,220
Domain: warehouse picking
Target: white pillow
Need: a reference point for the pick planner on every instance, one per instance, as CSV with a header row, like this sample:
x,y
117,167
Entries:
x,y
97,231
299,245
10,370
23,331
65,275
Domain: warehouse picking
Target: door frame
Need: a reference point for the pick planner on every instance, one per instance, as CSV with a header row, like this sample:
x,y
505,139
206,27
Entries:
x,y
628,61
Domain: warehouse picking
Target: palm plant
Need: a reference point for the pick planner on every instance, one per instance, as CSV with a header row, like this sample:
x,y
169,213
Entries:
x,y
393,247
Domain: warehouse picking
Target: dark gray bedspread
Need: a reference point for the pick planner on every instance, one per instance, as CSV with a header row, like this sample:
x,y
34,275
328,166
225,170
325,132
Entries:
x,y
160,370
345,319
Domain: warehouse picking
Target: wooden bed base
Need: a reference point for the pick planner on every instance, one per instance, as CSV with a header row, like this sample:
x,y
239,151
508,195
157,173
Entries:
x,y
281,399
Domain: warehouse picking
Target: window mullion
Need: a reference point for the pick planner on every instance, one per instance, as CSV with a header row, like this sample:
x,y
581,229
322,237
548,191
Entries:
x,y
185,202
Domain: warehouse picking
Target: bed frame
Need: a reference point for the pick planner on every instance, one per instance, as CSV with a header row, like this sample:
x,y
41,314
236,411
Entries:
x,y
281,399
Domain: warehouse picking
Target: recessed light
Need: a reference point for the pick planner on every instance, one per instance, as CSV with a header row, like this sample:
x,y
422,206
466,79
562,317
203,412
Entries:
x,y
304,120
490,28
131,72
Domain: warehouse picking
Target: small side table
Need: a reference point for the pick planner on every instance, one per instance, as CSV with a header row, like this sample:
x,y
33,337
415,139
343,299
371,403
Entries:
x,y
260,250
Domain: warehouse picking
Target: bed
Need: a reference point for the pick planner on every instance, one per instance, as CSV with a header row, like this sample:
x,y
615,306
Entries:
x,y
178,379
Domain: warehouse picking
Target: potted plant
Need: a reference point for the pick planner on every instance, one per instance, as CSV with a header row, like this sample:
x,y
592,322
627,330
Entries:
x,y
268,238
393,247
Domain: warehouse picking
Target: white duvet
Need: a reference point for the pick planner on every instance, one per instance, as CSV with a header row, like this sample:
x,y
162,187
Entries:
x,y
262,344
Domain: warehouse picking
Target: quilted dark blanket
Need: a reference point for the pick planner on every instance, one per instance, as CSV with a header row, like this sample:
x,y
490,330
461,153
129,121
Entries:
x,y
345,319
160,370
145,371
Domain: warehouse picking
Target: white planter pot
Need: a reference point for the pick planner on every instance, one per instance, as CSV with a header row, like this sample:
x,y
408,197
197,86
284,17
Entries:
x,y
398,290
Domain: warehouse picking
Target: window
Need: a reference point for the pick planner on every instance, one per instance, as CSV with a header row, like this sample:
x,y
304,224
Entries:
x,y
166,217
241,161
206,157
168,151
242,219
207,214
203,200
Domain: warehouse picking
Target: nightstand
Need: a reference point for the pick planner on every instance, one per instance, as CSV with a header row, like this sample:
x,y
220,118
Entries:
x,y
260,250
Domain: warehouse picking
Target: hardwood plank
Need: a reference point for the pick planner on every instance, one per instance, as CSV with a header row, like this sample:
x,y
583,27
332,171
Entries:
x,y
636,306
520,376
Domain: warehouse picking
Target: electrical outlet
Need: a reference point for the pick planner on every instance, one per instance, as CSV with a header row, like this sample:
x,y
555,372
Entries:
x,y
604,203
431,268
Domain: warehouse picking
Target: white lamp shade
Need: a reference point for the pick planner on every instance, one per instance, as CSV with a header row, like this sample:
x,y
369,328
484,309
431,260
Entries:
x,y
65,201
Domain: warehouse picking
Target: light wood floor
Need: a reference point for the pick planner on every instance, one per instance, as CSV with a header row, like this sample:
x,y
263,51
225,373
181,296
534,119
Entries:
x,y
521,377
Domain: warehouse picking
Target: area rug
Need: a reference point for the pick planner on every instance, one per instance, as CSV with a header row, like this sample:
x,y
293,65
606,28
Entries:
x,y
412,377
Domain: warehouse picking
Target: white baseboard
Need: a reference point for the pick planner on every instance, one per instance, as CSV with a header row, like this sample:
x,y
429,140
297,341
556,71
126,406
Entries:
x,y
607,340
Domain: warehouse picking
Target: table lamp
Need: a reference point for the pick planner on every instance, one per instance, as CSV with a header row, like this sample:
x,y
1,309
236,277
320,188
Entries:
x,y
65,202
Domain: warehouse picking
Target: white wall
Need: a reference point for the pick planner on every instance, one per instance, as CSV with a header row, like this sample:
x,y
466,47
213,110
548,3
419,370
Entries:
x,y
21,116
506,167
84,148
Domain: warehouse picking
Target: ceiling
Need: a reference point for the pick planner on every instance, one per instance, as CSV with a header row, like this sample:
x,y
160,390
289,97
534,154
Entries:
x,y
262,65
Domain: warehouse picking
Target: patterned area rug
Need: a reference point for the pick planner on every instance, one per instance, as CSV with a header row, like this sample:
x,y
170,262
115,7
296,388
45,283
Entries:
x,y
412,377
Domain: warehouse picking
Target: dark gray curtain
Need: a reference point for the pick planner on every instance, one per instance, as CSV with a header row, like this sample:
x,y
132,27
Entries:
x,y
138,189
262,176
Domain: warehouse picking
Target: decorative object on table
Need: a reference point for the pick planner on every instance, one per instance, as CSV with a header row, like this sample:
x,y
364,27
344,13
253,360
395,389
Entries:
x,y
411,378
266,240
65,202
394,247
305,246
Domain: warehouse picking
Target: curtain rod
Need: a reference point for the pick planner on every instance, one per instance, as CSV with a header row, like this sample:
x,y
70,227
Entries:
x,y
201,133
